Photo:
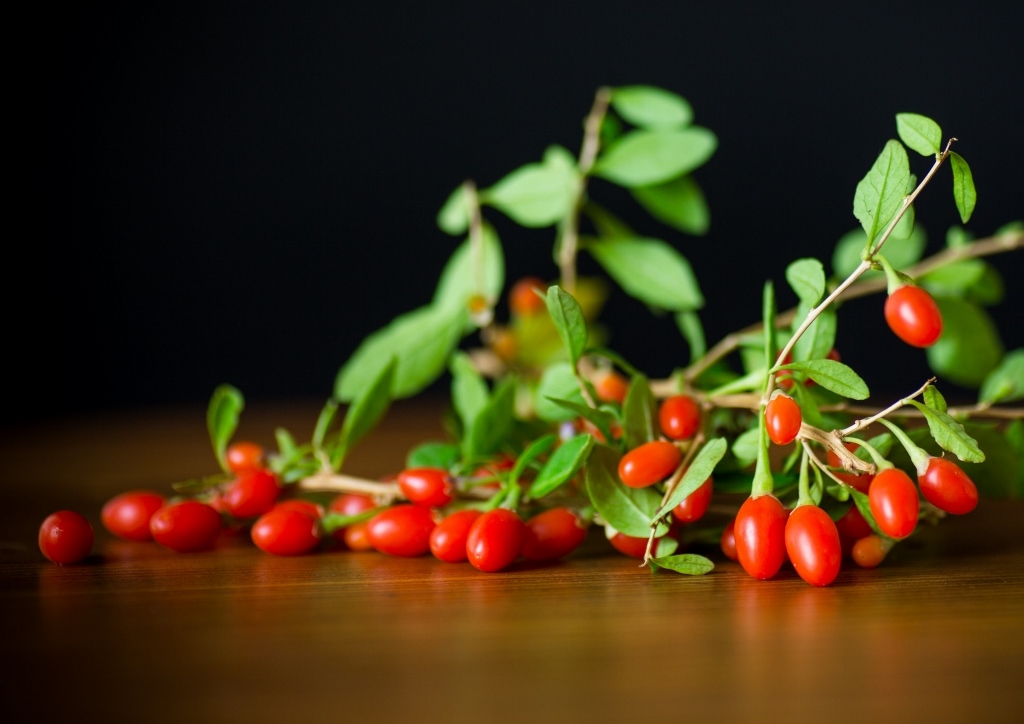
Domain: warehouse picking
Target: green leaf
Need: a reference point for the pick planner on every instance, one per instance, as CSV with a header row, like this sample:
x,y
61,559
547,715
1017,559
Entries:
x,y
538,447
969,348
693,332
638,412
650,107
695,476
920,133
469,391
336,521
819,339
433,455
880,193
964,193
746,445
679,203
601,419
663,547
950,434
645,158
650,270
617,359
988,290
458,281
689,564
864,506
420,340
453,218
535,195
567,315
934,399
834,376
226,404
628,510
954,279
493,421
807,278
1006,382
901,252
323,422
996,477
368,408
557,382
607,224
561,466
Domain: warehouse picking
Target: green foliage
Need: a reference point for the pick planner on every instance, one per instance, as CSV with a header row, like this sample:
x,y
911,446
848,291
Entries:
x,y
880,193
650,107
950,434
901,251
807,278
645,158
639,411
650,270
222,415
679,203
567,315
537,194
433,455
964,195
689,564
1006,382
969,348
834,376
368,408
557,383
628,510
696,474
920,133
458,281
561,466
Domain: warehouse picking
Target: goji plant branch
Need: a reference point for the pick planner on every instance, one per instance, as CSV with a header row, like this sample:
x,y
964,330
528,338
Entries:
x,y
820,465
865,421
978,410
673,483
476,235
384,492
588,155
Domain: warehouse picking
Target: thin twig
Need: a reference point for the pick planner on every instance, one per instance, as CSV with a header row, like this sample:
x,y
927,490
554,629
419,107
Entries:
x,y
865,421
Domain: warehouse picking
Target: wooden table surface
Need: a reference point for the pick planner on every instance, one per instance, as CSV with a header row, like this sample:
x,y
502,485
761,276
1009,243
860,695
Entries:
x,y
143,634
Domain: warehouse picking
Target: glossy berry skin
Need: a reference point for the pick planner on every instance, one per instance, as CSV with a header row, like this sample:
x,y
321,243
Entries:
x,y
351,504
186,527
812,543
649,463
308,507
631,546
127,515
761,536
694,505
728,541
403,530
857,482
679,417
448,539
611,387
913,316
253,493
429,487
946,486
870,551
244,457
783,419
523,299
894,503
495,540
285,532
65,537
553,534
356,537
852,525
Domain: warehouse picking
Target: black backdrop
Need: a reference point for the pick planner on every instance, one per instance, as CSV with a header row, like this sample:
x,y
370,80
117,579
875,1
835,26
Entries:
x,y
241,192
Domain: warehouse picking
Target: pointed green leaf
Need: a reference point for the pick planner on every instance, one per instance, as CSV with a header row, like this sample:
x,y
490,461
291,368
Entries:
x,y
650,107
880,193
693,332
650,270
819,339
226,404
645,158
696,475
567,315
934,399
561,466
807,278
420,340
679,203
920,133
746,445
689,564
664,547
469,391
1006,382
969,347
557,382
964,194
950,434
453,218
900,251
323,422
834,376
433,455
494,420
537,194
538,447
458,281
365,411
628,510
638,412
954,279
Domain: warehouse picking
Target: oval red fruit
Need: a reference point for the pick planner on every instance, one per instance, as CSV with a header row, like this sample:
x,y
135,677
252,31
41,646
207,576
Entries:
x,y
403,530
611,387
285,532
243,457
429,487
448,539
553,534
679,417
65,537
127,515
728,540
946,486
694,505
783,419
760,530
870,551
649,463
495,540
852,525
523,299
314,511
252,494
812,543
186,527
632,546
913,316
894,503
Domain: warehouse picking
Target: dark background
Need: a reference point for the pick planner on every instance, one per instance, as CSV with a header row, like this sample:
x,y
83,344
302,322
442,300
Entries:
x,y
242,192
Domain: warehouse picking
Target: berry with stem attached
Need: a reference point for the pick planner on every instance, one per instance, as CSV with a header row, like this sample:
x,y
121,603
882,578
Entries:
x,y
913,316
679,417
760,530
649,463
946,486
812,543
894,503
783,419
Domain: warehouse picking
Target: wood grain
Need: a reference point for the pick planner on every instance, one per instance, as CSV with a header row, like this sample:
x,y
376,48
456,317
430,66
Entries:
x,y
140,633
